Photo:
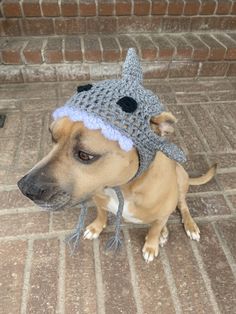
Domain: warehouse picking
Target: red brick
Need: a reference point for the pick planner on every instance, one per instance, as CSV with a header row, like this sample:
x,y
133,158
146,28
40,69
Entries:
x,y
227,181
11,9
24,223
92,49
229,44
159,7
39,26
227,229
31,8
13,122
183,69
134,23
217,51
184,266
32,51
213,137
165,48
207,7
126,42
218,269
224,7
30,144
151,278
175,7
142,7
11,27
214,69
53,50
182,49
175,24
123,7
226,23
200,50
70,26
156,70
12,265
80,268
232,69
44,276
101,25
186,130
50,8
191,7
73,50
87,8
223,122
11,53
105,7
69,8
223,160
8,150
147,48
206,206
14,199
110,49
116,277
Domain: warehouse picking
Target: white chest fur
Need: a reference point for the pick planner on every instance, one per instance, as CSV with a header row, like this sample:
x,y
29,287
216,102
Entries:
x,y
113,206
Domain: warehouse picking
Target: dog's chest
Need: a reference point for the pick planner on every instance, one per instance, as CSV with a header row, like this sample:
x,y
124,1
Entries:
x,y
113,206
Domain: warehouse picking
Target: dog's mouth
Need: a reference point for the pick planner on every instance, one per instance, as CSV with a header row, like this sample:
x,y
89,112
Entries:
x,y
60,200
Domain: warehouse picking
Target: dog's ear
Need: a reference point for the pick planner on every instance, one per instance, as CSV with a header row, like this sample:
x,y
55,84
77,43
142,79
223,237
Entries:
x,y
163,123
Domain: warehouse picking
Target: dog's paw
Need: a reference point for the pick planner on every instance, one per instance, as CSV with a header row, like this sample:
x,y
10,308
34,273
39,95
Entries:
x,y
92,231
192,230
163,237
149,252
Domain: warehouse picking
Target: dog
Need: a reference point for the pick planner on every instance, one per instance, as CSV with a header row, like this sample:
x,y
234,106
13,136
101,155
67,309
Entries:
x,y
83,164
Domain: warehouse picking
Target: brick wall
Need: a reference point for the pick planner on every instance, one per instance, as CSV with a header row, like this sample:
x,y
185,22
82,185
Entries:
x,y
35,18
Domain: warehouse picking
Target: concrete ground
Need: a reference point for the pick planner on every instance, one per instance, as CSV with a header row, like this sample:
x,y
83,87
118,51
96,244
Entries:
x,y
37,273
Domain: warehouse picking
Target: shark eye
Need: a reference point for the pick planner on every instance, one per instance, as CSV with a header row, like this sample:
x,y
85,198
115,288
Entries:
x,y
84,88
127,104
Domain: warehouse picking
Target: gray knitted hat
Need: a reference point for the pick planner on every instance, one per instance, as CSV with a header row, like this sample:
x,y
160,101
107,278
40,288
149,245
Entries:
x,y
122,110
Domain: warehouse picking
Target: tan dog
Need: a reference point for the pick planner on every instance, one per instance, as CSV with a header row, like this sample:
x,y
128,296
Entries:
x,y
84,164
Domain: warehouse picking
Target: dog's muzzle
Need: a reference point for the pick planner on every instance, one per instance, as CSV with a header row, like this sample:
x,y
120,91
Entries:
x,y
43,191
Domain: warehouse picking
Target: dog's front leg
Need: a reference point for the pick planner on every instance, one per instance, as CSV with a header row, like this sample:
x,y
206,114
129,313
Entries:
x,y
157,230
95,228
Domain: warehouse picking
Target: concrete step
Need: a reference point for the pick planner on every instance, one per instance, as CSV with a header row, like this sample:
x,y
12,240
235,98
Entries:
x,y
45,17
95,57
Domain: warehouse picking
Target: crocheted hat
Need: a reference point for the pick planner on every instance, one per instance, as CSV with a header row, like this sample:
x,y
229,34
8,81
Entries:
x,y
122,110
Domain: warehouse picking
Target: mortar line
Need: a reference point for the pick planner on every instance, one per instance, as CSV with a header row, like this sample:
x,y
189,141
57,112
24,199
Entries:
x,y
19,210
226,250
54,234
100,294
27,271
133,272
205,277
171,282
224,193
61,277
197,129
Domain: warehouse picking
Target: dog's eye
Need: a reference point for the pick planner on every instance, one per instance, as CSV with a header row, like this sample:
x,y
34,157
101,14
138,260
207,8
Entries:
x,y
85,157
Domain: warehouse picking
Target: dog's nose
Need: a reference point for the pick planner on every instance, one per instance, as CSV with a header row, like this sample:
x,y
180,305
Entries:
x,y
31,189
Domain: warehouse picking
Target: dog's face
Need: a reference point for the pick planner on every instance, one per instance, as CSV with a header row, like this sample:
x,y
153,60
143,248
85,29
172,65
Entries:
x,y
81,163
